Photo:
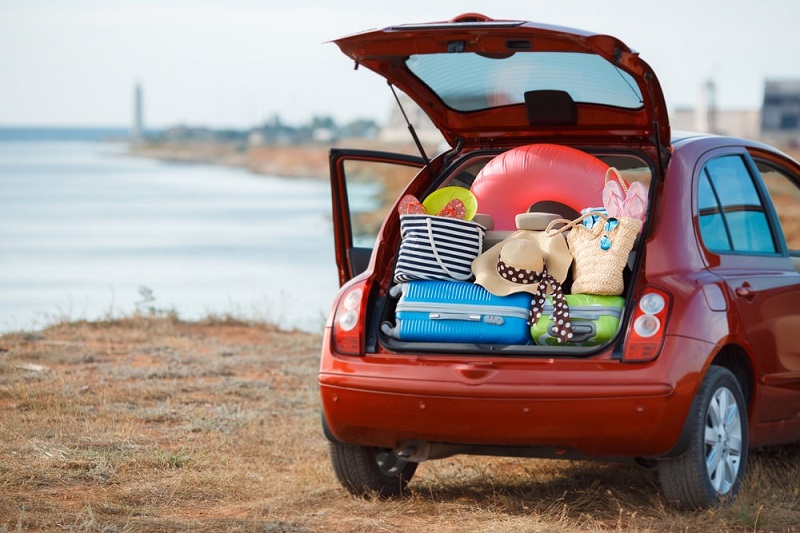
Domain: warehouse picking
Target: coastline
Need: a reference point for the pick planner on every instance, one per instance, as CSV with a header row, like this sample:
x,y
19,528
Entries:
x,y
303,161
308,160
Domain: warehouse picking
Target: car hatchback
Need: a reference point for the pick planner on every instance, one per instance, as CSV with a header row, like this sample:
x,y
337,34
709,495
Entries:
x,y
683,250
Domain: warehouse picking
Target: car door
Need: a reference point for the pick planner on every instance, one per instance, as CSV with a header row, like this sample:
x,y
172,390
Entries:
x,y
740,225
364,186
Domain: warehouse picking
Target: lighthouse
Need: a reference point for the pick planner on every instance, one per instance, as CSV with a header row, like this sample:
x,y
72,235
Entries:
x,y
137,127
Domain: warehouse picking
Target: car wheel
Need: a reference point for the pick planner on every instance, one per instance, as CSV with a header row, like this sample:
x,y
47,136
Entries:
x,y
364,470
713,466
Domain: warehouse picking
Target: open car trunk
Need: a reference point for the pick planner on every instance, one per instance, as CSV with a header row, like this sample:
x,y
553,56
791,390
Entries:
x,y
461,313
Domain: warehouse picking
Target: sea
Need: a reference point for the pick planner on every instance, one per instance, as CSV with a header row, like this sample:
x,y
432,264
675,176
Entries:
x,y
88,232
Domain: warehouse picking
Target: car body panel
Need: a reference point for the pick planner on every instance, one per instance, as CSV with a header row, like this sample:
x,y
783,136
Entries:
x,y
612,409
764,292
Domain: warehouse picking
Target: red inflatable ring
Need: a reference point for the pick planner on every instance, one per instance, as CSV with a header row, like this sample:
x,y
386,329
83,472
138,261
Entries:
x,y
514,180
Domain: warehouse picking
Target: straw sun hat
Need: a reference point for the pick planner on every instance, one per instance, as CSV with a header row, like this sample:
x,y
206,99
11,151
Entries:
x,y
516,263
529,261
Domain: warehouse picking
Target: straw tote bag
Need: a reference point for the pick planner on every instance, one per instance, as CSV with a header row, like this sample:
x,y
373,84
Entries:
x,y
599,253
434,247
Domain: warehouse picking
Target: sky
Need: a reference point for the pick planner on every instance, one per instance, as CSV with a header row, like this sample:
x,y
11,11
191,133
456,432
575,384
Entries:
x,y
239,63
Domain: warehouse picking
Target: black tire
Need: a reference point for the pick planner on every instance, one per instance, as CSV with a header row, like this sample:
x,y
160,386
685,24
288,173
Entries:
x,y
714,464
366,471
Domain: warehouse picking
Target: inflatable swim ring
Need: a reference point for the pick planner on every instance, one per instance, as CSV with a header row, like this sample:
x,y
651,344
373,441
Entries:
x,y
514,180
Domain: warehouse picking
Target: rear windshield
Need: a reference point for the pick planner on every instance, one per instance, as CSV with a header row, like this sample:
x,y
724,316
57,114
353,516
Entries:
x,y
472,82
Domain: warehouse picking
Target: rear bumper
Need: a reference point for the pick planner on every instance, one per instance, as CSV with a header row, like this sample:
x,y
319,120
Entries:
x,y
595,408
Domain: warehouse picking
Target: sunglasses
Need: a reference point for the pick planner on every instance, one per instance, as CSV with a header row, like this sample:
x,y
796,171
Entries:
x,y
608,227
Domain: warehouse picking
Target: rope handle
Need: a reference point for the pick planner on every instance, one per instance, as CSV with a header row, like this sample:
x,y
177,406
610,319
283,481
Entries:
x,y
620,179
578,222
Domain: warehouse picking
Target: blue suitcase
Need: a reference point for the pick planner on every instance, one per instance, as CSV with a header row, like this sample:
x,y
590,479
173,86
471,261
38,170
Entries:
x,y
458,311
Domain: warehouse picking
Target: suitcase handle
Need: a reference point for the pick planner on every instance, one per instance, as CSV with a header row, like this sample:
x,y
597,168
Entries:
x,y
580,332
495,320
455,316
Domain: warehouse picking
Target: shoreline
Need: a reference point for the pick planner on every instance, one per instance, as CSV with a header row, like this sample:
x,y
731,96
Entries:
x,y
310,160
306,161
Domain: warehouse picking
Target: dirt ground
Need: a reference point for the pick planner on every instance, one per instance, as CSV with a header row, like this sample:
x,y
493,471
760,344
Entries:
x,y
153,424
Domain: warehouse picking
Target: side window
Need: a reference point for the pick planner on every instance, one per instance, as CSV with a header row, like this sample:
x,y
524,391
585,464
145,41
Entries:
x,y
712,228
732,216
785,194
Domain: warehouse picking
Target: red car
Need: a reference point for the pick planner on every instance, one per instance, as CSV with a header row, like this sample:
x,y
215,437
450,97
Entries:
x,y
704,361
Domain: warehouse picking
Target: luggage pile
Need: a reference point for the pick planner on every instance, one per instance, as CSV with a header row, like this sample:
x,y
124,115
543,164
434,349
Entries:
x,y
553,281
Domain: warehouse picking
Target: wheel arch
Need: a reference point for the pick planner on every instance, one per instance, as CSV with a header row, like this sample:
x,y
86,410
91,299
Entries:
x,y
735,359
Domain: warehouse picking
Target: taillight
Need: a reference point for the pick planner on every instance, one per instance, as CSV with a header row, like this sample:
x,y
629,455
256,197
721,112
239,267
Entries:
x,y
647,326
348,322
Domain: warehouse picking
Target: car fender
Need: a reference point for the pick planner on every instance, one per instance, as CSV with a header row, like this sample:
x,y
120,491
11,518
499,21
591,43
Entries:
x,y
706,313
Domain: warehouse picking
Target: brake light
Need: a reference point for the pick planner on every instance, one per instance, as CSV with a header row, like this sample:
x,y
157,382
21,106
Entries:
x,y
348,323
647,326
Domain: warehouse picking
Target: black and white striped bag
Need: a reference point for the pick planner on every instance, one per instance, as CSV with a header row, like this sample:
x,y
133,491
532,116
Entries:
x,y
434,247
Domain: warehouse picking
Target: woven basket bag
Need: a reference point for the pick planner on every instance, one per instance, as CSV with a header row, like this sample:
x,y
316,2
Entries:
x,y
600,253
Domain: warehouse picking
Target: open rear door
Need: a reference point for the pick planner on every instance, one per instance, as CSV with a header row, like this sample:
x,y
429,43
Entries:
x,y
364,186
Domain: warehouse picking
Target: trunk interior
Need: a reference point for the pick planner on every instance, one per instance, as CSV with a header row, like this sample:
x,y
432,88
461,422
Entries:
x,y
418,316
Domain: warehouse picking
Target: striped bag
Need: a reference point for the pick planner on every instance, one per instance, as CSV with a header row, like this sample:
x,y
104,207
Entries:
x,y
434,247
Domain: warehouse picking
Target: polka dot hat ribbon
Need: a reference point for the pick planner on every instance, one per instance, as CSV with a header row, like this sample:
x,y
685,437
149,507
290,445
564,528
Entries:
x,y
523,276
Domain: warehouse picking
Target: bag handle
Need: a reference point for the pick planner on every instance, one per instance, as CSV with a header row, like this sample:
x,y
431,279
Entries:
x,y
620,179
577,223
439,259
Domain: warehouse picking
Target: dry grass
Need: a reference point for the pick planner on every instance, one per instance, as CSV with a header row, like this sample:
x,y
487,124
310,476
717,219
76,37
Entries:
x,y
152,424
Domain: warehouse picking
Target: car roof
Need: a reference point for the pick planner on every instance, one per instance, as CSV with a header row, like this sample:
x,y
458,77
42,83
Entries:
x,y
486,81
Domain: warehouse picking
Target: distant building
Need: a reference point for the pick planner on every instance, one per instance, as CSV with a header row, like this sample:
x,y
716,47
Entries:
x,y
708,118
780,114
735,122
776,123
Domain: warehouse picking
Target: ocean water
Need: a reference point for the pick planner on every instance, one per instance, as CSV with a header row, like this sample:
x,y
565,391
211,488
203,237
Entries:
x,y
88,232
